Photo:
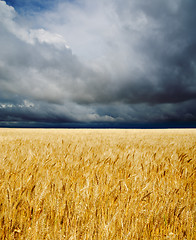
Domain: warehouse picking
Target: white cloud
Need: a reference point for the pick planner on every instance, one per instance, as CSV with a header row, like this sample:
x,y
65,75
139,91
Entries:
x,y
6,105
9,21
93,117
44,36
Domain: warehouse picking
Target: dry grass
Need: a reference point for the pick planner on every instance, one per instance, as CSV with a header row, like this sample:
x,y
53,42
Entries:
x,y
97,184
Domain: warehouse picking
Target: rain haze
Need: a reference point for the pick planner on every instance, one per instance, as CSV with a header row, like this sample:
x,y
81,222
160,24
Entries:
x,y
100,63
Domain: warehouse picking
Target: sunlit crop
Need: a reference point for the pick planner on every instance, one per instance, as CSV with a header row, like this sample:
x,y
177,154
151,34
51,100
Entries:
x,y
97,184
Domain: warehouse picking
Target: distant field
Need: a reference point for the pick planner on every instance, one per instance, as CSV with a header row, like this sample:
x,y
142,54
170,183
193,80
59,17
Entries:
x,y
97,184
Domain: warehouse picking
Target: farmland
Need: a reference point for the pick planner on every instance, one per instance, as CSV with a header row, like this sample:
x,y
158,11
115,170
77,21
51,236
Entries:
x,y
97,184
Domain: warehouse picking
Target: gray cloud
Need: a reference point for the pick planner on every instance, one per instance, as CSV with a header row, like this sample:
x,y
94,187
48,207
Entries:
x,y
127,62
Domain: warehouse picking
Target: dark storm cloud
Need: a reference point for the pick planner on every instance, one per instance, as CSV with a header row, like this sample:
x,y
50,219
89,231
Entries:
x,y
24,113
127,62
167,49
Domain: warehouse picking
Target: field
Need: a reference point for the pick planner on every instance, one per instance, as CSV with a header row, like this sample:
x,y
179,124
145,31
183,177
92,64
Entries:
x,y
97,184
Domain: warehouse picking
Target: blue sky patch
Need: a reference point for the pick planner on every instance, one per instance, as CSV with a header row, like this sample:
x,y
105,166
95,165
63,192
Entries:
x,y
28,6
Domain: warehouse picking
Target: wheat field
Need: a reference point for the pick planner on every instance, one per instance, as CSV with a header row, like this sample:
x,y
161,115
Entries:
x,y
97,184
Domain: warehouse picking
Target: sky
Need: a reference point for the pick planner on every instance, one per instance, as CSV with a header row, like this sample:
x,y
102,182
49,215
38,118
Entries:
x,y
100,63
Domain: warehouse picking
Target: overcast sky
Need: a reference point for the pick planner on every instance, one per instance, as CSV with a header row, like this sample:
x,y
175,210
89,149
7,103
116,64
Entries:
x,y
97,62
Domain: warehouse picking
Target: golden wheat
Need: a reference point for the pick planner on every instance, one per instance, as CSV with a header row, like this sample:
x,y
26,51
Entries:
x,y
97,184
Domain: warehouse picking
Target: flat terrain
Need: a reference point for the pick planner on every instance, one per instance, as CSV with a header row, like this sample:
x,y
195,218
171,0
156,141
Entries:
x,y
97,184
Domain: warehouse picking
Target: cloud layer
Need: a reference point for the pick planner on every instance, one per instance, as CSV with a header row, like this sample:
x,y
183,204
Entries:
x,y
98,61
